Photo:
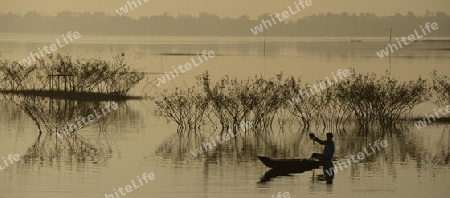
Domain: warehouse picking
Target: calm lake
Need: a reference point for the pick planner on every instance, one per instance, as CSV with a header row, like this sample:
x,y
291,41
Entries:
x,y
133,140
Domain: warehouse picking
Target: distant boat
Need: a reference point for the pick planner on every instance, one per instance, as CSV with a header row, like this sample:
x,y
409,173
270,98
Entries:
x,y
355,41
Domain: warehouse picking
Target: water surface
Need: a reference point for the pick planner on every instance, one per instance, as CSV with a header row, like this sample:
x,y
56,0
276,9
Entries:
x,y
133,140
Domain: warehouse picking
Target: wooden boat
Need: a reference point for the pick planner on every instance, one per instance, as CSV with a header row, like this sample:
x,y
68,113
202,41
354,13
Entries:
x,y
296,165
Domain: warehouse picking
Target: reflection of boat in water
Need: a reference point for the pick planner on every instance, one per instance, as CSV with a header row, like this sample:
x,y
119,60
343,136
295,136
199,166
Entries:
x,y
272,173
291,165
287,167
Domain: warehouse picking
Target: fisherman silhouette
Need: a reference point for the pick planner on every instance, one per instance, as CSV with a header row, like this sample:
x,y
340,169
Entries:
x,y
326,157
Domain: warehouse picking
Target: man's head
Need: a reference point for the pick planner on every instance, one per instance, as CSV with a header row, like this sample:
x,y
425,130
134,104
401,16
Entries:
x,y
329,135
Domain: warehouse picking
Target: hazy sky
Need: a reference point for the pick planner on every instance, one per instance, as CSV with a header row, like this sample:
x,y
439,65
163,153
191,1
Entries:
x,y
231,8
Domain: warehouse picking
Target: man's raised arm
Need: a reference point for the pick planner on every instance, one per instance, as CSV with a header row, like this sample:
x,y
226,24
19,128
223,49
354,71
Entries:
x,y
322,142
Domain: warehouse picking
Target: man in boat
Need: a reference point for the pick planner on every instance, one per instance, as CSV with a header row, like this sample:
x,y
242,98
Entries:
x,y
326,157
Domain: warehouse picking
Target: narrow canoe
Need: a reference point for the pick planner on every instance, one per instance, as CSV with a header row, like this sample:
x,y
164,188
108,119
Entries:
x,y
290,164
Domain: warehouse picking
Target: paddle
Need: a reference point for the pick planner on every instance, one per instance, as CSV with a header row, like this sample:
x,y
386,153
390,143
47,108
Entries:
x,y
312,136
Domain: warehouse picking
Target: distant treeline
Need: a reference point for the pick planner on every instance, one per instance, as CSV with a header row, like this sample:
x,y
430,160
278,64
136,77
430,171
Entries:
x,y
329,24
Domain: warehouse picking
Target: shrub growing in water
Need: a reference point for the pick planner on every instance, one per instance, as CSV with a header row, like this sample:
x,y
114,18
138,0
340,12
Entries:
x,y
441,85
383,100
78,75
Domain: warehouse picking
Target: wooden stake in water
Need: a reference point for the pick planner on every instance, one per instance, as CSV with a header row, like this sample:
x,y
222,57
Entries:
x,y
265,34
312,150
390,38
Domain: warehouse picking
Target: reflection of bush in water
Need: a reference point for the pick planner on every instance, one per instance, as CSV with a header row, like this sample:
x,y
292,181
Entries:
x,y
71,150
405,146
367,99
442,149
242,148
53,115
